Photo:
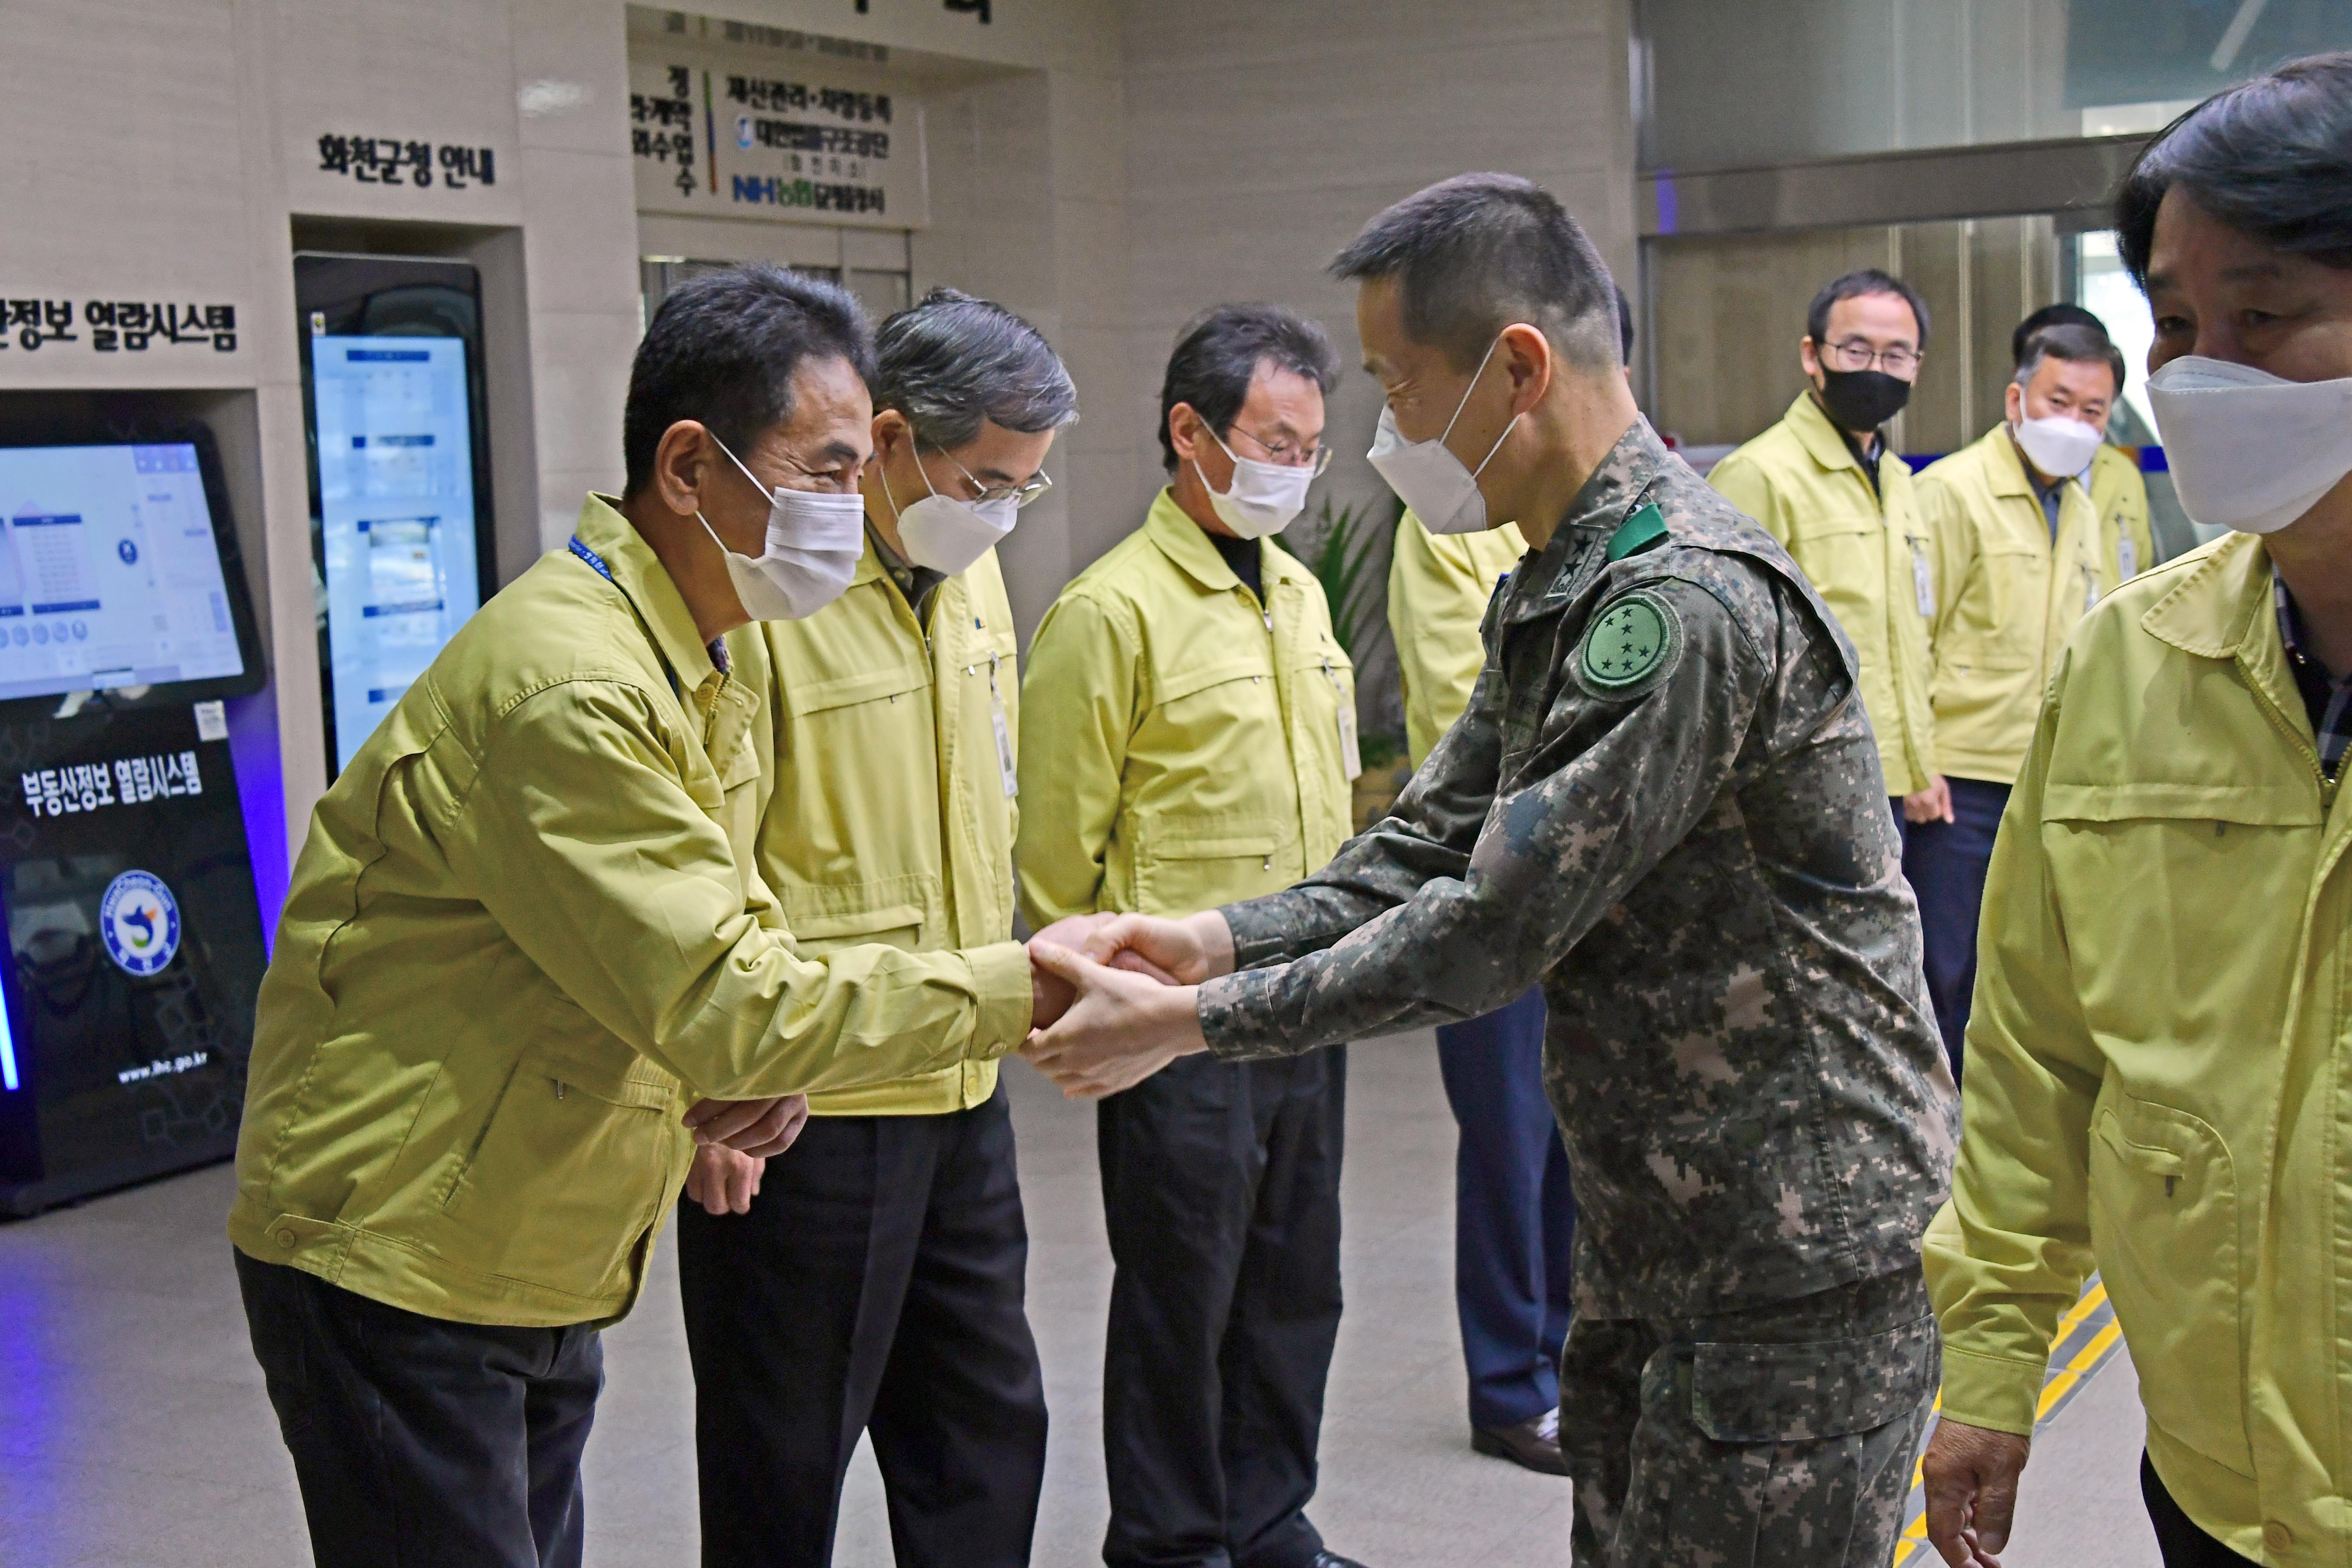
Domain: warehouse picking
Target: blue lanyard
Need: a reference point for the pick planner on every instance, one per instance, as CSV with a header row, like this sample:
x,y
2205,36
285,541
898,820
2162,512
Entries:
x,y
716,647
593,559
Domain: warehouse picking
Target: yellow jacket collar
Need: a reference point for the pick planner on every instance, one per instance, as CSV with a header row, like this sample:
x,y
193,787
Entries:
x,y
2222,606
1819,437
869,563
1184,541
642,578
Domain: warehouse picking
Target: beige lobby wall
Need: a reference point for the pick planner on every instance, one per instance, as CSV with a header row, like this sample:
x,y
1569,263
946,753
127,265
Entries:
x,y
1260,138
1027,208
166,148
1730,311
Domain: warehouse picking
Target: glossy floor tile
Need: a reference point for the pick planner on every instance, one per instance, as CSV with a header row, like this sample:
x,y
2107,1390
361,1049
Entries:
x,y
133,1431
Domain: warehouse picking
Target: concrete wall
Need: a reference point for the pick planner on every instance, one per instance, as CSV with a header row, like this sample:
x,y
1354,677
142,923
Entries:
x,y
1107,167
1260,138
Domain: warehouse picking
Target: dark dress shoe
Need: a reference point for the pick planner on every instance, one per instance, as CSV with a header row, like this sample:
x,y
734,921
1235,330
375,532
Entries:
x,y
1533,1443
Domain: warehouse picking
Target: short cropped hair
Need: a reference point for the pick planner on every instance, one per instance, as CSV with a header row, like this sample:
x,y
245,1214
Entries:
x,y
1854,285
951,364
1474,254
1625,325
2076,344
2271,158
1219,352
723,350
2051,316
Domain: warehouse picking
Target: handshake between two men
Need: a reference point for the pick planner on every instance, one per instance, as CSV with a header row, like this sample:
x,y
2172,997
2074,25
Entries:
x,y
1114,1002
1117,997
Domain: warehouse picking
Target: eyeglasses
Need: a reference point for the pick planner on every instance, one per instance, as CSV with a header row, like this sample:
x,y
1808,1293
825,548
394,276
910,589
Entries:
x,y
1902,360
1019,495
1289,454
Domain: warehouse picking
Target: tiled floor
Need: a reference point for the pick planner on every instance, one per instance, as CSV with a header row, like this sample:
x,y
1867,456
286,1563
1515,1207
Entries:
x,y
133,1430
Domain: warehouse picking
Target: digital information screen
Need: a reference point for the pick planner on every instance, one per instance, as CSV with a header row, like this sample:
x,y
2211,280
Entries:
x,y
396,502
109,575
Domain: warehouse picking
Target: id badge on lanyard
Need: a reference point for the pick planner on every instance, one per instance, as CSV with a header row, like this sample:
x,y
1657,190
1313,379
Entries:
x,y
1004,765
1351,757
1923,579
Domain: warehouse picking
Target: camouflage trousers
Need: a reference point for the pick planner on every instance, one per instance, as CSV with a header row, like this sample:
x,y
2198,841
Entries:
x,y
1784,1434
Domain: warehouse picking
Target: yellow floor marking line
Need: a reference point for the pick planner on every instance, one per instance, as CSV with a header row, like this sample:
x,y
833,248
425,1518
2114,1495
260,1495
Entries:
x,y
2086,1340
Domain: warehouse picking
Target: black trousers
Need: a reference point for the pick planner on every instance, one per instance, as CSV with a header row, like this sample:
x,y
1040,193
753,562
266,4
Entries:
x,y
1220,1187
2178,1538
419,1442
875,1287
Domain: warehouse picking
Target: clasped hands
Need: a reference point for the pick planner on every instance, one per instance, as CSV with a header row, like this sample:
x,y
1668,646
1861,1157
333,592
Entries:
x,y
1113,1000
1115,997
733,1140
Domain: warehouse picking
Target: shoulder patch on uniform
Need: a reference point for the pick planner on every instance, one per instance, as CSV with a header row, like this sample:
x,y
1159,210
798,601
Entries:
x,y
1633,637
1645,530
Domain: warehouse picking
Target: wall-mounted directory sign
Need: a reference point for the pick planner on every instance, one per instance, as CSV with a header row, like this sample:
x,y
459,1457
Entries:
x,y
769,133
400,516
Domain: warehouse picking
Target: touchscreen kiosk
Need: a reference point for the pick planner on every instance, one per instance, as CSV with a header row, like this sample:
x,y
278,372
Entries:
x,y
134,945
400,520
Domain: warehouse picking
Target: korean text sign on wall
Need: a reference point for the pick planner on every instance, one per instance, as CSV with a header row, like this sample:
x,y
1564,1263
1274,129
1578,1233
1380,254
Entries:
x,y
766,135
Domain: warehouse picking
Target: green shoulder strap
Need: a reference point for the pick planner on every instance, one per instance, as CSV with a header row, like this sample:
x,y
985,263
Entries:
x,y
1645,530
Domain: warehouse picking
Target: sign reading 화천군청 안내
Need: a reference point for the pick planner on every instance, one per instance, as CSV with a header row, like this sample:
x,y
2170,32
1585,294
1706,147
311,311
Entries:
x,y
764,135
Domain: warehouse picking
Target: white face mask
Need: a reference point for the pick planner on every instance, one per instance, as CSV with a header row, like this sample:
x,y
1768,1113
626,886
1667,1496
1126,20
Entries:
x,y
946,534
814,542
1440,487
2058,443
2250,450
1263,498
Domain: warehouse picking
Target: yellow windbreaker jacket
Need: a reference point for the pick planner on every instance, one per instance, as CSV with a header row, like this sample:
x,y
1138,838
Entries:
x,y
1181,743
2157,1077
524,933
2006,598
1439,585
1868,555
889,817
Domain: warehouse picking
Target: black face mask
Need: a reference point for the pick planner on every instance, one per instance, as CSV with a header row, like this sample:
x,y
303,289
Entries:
x,y
1862,399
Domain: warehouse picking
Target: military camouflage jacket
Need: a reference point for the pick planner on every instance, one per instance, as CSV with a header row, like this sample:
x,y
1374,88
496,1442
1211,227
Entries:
x,y
1666,801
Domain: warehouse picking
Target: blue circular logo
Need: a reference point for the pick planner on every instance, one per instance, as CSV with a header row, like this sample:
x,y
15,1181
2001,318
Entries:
x,y
129,552
744,135
139,920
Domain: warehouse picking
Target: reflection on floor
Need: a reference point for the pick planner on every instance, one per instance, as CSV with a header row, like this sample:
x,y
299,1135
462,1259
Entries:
x,y
133,1431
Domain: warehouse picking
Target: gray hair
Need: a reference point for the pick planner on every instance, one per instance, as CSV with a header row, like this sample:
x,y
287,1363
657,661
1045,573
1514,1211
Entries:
x,y
2074,343
951,363
1478,252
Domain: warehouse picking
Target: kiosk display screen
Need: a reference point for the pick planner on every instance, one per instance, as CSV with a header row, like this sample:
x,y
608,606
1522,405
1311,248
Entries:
x,y
110,574
392,370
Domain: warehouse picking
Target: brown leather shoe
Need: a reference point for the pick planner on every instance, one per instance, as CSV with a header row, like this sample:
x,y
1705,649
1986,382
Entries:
x,y
1533,1443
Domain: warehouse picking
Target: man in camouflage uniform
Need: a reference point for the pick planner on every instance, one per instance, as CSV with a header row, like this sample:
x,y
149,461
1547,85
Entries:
x,y
1666,801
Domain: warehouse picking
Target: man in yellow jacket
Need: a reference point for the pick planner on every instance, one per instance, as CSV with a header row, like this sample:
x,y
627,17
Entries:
x,y
1514,1209
2118,492
526,934
2022,554
1823,483
869,1282
1187,736
2156,1080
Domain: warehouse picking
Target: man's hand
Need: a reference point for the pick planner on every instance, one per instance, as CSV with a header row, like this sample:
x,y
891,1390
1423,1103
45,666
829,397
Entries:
x,y
1122,1028
722,1180
1050,995
1186,952
760,1128
1933,804
1971,1478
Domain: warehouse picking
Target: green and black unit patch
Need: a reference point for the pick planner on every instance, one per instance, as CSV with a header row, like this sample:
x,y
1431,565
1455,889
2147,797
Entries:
x,y
1630,645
